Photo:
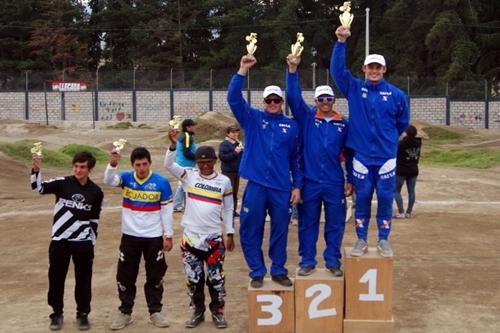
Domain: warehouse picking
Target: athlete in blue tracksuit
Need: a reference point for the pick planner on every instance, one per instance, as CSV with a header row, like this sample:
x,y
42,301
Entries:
x,y
378,114
271,154
324,135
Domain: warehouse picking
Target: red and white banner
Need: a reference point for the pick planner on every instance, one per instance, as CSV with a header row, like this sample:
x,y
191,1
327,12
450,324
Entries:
x,y
68,86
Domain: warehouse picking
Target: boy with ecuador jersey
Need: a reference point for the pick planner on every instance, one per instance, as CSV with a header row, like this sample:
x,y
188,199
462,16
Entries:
x,y
208,196
74,233
146,231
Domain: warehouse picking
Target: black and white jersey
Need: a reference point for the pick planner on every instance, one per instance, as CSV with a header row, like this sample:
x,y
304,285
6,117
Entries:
x,y
77,207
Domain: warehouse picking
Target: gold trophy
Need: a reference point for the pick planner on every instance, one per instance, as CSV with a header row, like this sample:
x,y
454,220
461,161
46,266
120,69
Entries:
x,y
346,17
37,149
119,145
252,43
297,48
175,123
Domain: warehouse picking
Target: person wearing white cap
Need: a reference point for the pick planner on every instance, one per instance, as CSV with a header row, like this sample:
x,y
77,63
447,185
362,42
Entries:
x,y
324,135
271,155
378,114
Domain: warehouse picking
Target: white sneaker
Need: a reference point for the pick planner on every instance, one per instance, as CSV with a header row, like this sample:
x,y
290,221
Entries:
x,y
121,321
360,248
399,216
159,320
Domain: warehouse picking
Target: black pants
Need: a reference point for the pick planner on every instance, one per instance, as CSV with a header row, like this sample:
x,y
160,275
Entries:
x,y
234,177
131,250
60,253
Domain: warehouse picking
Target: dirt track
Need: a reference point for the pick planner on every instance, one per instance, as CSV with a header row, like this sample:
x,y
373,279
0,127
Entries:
x,y
447,263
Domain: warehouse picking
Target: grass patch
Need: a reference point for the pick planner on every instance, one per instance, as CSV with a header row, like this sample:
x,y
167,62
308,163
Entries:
x,y
100,155
464,158
121,125
442,135
62,158
21,151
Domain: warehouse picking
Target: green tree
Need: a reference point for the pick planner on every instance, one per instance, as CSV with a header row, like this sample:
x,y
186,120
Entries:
x,y
57,38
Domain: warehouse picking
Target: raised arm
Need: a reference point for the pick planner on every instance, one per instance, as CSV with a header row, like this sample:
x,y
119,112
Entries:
x,y
111,176
294,97
169,163
239,107
338,69
46,187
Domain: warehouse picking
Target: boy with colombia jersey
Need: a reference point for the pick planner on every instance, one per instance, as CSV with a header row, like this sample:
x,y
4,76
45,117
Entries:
x,y
208,196
146,230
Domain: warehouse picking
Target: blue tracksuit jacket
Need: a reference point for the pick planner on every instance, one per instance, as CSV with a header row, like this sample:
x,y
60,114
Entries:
x,y
323,141
378,114
271,143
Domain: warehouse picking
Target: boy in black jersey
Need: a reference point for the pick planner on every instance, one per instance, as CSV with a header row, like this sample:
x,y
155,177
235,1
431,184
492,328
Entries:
x,y
74,232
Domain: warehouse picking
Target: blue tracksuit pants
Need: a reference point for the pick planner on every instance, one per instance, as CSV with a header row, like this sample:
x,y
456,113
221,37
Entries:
x,y
367,179
313,196
258,201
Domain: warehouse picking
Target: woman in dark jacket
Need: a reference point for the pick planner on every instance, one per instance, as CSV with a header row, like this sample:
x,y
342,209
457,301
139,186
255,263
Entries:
x,y
407,170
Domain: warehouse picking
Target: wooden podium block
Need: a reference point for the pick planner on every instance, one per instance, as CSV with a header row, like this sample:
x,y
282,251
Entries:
x,y
368,326
319,302
368,287
271,309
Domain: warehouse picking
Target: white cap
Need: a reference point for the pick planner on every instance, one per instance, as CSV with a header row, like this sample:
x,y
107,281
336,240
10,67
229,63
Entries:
x,y
270,90
374,58
323,90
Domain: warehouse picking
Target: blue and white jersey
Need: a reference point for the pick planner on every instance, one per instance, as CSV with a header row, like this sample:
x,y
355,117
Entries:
x,y
146,203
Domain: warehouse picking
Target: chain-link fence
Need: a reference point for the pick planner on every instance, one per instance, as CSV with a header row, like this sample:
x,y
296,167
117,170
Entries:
x,y
175,78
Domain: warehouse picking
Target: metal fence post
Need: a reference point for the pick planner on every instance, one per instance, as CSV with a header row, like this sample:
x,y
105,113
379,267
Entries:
x,y
46,106
448,106
134,94
210,94
249,93
63,106
172,111
486,106
26,98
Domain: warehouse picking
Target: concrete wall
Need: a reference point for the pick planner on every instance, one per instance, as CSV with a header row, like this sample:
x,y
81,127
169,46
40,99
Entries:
x,y
154,106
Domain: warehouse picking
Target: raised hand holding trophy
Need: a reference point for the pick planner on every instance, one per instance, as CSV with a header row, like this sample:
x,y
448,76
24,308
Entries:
x,y
346,17
119,145
37,150
175,123
252,43
297,48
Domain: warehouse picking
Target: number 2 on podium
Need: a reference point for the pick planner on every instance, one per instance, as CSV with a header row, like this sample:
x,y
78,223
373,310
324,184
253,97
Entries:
x,y
324,292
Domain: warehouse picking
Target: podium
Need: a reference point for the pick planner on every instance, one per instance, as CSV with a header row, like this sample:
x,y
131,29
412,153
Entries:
x,y
271,309
368,288
319,302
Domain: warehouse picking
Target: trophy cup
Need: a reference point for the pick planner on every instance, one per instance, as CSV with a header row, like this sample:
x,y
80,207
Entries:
x,y
252,43
346,17
297,48
175,123
37,149
119,145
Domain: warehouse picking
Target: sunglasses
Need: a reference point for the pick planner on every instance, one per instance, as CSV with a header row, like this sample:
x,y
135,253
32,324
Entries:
x,y
325,99
273,100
